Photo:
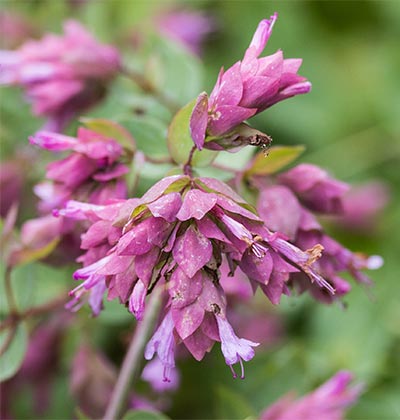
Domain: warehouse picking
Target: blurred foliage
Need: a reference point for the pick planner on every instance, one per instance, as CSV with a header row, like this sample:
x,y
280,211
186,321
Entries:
x,y
349,124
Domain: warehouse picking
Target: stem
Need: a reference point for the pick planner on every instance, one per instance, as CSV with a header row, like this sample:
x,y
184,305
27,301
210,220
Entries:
x,y
8,340
12,304
146,86
187,167
132,358
16,317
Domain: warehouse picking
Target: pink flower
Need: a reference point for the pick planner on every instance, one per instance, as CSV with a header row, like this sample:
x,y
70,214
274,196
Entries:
x,y
233,348
328,402
62,75
247,88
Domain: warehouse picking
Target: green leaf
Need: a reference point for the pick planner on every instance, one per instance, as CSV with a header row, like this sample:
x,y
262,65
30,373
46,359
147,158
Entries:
x,y
278,157
12,359
180,73
144,415
150,135
180,142
110,129
232,405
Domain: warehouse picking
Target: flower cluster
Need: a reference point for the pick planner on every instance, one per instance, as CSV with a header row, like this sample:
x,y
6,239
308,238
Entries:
x,y
179,233
247,88
62,75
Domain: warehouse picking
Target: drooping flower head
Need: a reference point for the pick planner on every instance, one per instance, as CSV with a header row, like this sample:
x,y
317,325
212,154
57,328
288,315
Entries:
x,y
62,75
177,236
329,401
245,89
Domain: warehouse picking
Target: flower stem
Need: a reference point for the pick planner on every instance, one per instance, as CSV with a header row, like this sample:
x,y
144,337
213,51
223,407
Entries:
x,y
187,167
131,363
15,317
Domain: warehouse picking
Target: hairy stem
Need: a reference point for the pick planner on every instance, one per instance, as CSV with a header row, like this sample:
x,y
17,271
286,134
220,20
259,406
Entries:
x,y
132,358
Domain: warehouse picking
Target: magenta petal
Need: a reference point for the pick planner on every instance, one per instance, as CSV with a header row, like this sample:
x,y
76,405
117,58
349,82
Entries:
x,y
124,283
158,189
115,264
233,207
280,210
137,300
166,206
257,89
261,36
145,263
192,251
142,237
187,319
96,234
196,204
227,117
217,186
258,269
231,88
184,290
212,297
198,120
198,344
210,230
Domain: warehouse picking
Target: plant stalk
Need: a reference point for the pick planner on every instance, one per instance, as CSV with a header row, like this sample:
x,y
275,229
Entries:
x,y
132,358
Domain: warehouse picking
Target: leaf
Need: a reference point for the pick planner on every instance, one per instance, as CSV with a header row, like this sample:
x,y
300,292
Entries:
x,y
180,72
232,405
111,129
180,142
278,157
144,415
12,359
150,135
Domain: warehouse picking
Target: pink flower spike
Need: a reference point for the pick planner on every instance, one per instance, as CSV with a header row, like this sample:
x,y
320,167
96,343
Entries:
x,y
234,348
